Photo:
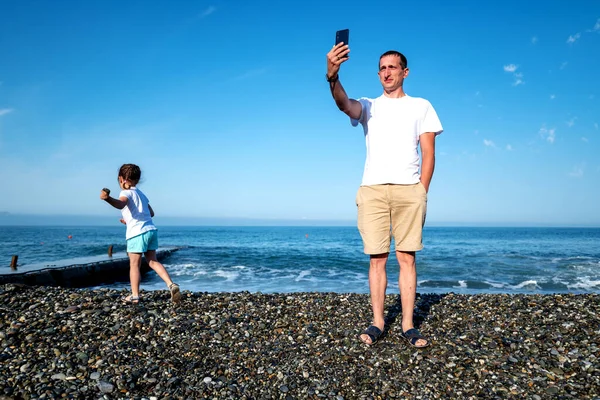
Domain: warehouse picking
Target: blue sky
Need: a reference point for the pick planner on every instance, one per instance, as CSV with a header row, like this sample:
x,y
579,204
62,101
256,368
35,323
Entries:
x,y
225,107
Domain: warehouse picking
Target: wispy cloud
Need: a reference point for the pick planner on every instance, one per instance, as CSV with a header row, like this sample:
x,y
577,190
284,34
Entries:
x,y
552,96
573,38
518,79
208,11
571,122
4,111
488,143
563,65
509,147
534,40
596,125
548,134
577,171
250,74
584,139
512,68
596,27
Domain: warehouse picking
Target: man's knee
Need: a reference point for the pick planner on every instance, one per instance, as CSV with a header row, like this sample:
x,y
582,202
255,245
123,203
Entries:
x,y
406,258
379,260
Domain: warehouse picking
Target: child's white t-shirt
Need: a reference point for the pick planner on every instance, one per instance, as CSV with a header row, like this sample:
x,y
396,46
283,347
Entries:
x,y
392,128
136,213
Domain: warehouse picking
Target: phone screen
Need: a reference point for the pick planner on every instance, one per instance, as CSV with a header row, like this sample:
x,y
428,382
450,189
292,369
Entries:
x,y
342,36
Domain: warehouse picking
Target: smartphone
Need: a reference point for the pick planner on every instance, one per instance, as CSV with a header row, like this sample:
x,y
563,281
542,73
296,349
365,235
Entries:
x,y
342,36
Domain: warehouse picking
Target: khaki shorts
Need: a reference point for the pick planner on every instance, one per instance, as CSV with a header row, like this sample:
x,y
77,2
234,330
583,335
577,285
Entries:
x,y
391,210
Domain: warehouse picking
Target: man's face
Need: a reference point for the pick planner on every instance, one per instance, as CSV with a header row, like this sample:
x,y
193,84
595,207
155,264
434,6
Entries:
x,y
391,72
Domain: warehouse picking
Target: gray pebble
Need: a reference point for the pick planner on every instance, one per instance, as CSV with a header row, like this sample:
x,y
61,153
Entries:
x,y
105,387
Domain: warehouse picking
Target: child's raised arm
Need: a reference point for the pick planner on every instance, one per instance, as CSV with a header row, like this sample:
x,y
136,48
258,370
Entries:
x,y
119,203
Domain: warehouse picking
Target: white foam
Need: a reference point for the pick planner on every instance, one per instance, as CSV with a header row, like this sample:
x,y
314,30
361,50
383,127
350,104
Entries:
x,y
496,285
586,283
531,284
228,275
181,269
302,275
461,285
558,280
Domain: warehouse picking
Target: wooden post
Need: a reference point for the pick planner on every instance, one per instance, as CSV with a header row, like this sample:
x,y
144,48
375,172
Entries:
x,y
110,250
13,262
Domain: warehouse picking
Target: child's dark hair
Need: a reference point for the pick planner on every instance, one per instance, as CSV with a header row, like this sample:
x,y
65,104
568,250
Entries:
x,y
131,173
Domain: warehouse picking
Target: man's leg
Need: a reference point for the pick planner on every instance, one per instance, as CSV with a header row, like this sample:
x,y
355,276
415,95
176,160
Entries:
x,y
407,282
408,218
377,287
374,228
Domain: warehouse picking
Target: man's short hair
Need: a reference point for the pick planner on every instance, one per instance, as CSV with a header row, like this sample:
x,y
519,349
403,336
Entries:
x,y
403,60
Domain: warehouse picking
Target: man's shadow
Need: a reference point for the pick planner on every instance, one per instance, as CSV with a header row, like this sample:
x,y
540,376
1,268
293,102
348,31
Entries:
x,y
423,304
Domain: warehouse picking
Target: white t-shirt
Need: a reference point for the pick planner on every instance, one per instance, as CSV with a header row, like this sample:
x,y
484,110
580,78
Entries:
x,y
392,130
136,213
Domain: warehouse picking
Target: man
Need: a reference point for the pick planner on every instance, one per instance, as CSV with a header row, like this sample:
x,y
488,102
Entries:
x,y
392,198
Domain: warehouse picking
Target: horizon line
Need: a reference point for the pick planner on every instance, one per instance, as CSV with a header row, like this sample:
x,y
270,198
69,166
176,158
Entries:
x,y
15,219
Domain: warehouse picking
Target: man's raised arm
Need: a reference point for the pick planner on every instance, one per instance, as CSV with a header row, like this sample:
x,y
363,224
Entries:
x,y
336,56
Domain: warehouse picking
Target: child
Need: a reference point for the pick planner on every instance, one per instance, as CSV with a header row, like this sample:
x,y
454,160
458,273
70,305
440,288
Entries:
x,y
141,235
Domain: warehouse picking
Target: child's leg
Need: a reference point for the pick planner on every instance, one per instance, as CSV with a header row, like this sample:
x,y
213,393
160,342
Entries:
x,y
162,272
135,260
150,254
157,266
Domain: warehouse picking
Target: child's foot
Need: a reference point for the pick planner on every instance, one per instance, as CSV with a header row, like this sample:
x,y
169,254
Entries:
x,y
131,299
175,292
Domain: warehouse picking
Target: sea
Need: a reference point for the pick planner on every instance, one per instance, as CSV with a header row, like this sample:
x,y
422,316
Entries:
x,y
272,259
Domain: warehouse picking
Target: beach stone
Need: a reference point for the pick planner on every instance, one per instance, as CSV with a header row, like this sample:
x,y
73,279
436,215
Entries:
x,y
105,387
95,376
552,390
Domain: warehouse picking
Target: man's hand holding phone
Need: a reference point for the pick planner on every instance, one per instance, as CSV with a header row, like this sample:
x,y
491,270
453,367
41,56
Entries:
x,y
337,55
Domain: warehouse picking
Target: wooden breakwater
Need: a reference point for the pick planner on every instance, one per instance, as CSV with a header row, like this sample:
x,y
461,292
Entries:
x,y
76,273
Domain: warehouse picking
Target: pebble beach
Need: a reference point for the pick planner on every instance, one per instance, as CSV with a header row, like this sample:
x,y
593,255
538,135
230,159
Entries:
x,y
86,344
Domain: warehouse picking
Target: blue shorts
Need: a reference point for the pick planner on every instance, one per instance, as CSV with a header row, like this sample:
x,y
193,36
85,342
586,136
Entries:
x,y
143,243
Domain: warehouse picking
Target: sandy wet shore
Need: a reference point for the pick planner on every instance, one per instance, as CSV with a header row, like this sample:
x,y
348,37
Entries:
x,y
70,343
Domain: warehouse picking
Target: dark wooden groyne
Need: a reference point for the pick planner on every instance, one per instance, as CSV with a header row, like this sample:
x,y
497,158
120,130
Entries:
x,y
89,271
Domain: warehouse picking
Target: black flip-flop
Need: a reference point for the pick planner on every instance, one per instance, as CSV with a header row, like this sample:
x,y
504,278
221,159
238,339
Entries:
x,y
374,334
412,336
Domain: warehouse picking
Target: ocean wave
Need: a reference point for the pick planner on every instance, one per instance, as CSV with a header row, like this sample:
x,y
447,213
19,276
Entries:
x,y
529,284
585,283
